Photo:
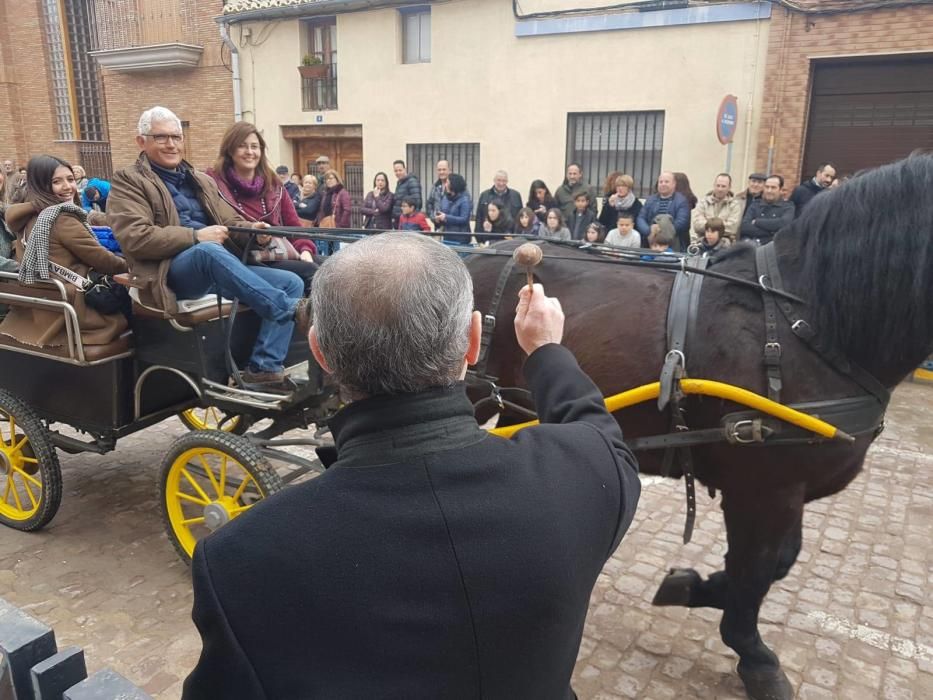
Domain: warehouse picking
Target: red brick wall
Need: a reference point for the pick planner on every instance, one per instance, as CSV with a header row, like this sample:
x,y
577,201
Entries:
x,y
795,39
202,96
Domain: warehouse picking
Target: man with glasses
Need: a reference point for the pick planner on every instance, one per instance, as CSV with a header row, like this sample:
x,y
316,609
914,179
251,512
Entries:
x,y
172,226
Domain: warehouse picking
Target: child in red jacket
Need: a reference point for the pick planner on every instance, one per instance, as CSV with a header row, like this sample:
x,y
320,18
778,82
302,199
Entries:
x,y
411,220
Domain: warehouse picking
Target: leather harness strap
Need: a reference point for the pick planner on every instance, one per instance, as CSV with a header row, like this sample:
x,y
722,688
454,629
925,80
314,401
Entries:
x,y
489,322
772,348
771,281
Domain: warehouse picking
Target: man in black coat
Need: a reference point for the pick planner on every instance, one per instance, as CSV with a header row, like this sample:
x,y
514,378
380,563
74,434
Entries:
x,y
501,191
406,186
806,191
768,215
431,559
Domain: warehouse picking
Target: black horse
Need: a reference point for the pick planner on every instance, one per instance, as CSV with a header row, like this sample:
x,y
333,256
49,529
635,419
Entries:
x,y
861,256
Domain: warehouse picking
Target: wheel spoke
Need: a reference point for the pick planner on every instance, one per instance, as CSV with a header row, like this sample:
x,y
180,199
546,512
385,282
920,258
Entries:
x,y
19,445
29,477
242,488
6,491
210,475
16,499
32,498
215,415
195,485
193,521
239,509
12,430
29,460
192,499
223,476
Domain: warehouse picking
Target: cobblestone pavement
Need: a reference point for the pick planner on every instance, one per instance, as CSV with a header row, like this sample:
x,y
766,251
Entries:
x,y
853,620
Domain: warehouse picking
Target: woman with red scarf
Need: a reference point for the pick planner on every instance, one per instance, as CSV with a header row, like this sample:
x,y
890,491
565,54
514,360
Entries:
x,y
248,183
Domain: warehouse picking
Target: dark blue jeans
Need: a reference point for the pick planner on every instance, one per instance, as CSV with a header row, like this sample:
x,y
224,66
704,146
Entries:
x,y
209,268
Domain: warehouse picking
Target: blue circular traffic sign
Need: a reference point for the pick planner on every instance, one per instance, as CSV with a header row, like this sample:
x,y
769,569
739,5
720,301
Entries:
x,y
728,119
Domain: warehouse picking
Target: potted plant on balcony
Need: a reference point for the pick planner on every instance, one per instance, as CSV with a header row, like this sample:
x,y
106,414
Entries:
x,y
312,67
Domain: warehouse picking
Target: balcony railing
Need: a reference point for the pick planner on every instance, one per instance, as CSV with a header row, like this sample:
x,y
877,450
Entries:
x,y
138,35
319,94
124,24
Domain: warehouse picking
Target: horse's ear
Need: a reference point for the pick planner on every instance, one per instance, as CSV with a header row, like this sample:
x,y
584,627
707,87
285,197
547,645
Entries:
x,y
476,334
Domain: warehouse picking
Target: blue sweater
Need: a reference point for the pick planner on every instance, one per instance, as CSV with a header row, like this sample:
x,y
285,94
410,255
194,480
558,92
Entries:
x,y
678,207
184,193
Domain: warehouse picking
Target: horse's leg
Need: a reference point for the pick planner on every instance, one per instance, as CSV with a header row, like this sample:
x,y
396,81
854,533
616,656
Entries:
x,y
685,587
763,530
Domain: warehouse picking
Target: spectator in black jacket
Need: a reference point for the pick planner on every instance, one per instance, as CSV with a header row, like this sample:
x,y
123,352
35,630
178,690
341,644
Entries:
x,y
806,191
768,215
756,185
412,586
406,187
497,219
540,200
293,190
582,216
511,200
622,200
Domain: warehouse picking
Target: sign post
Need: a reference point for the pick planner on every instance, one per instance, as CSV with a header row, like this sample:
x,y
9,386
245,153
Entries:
x,y
727,121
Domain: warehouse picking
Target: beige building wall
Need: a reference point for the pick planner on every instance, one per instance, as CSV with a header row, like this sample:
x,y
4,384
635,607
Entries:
x,y
511,94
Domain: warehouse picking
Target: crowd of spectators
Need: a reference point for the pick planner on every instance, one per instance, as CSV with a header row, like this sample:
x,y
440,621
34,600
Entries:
x,y
574,211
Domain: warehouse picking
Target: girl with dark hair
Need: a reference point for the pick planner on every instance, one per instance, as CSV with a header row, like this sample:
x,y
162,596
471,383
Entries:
x,y
335,204
497,219
247,182
554,227
51,231
377,207
527,224
595,233
682,185
455,207
540,200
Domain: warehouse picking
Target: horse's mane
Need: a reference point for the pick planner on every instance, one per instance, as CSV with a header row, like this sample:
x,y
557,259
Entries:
x,y
866,263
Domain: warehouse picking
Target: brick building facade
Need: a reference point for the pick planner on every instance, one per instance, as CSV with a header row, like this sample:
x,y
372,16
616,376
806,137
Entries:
x,y
879,40
74,77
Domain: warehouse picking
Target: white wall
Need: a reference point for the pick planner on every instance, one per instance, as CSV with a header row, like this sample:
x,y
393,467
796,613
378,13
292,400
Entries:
x,y
512,95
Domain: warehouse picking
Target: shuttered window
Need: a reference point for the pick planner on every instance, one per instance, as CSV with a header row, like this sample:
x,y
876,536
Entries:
x,y
416,34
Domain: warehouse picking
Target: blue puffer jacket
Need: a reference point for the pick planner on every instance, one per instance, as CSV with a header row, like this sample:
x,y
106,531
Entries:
x,y
179,185
458,215
102,186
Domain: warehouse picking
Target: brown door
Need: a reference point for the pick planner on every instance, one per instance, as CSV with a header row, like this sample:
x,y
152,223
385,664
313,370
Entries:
x,y
340,151
864,113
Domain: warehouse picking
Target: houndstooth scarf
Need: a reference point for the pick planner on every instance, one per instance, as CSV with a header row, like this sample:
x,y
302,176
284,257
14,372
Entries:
x,y
35,264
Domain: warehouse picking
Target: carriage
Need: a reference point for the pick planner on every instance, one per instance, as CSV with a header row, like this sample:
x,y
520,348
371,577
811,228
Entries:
x,y
84,398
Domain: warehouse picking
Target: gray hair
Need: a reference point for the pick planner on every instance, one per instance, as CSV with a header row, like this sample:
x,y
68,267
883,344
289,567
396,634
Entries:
x,y
392,314
156,114
502,173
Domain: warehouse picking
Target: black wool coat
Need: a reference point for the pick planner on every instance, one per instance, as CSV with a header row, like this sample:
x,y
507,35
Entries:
x,y
431,560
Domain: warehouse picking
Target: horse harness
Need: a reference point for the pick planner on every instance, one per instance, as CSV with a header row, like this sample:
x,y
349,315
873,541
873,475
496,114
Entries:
x,y
857,416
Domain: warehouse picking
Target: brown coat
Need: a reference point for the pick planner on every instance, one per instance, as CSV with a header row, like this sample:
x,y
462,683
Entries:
x,y
146,224
71,245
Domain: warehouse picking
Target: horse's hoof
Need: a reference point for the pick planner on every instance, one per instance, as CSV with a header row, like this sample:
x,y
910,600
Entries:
x,y
677,587
766,683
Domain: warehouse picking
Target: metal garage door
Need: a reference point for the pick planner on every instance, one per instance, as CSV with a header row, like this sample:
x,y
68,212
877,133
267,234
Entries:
x,y
865,113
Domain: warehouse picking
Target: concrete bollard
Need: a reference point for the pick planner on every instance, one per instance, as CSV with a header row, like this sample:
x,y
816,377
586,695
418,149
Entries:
x,y
52,677
24,642
105,685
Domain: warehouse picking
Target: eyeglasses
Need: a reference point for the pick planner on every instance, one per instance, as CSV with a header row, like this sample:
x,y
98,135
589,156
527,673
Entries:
x,y
163,139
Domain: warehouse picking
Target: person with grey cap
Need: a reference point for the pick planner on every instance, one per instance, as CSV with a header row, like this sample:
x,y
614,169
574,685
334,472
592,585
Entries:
x,y
756,185
323,165
294,193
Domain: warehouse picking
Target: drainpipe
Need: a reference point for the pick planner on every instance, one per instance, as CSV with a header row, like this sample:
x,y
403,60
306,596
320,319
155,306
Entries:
x,y
235,65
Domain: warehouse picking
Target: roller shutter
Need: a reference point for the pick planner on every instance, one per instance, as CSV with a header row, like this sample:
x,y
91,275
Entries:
x,y
865,113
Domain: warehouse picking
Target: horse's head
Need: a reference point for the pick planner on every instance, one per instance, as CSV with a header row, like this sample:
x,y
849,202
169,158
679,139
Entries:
x,y
866,265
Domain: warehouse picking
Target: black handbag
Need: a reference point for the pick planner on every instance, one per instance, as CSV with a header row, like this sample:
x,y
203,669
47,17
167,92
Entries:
x,y
107,296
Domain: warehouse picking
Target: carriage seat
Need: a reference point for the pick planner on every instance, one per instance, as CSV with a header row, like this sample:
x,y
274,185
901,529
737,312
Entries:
x,y
54,292
190,312
92,353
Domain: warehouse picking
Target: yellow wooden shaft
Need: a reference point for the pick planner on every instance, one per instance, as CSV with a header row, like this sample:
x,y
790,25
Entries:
x,y
705,387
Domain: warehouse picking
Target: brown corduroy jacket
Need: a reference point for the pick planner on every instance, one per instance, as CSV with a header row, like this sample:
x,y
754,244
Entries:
x,y
145,222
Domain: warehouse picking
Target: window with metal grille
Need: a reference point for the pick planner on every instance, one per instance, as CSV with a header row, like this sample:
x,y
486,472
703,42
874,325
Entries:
x,y
76,95
416,34
628,142
58,68
463,158
78,19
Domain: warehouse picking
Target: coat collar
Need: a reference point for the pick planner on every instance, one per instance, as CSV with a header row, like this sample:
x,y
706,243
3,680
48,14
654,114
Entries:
x,y
390,429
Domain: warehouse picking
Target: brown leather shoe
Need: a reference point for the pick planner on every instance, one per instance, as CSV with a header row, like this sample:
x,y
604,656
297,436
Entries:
x,y
303,316
258,377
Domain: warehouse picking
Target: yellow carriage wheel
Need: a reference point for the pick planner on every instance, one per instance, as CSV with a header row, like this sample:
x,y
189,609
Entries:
x,y
209,478
213,418
30,475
